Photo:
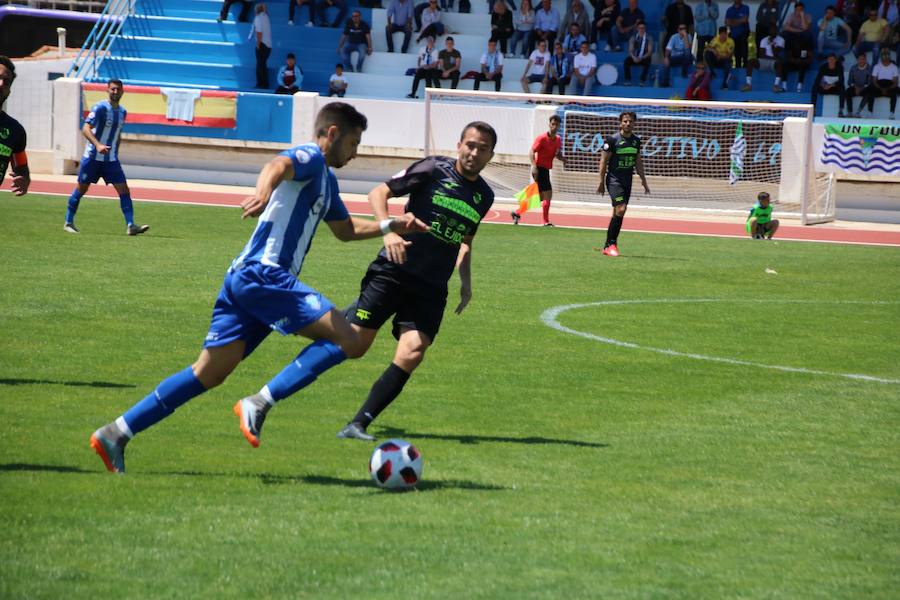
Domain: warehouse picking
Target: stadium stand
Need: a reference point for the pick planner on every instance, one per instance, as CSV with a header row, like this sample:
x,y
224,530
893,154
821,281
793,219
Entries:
x,y
180,43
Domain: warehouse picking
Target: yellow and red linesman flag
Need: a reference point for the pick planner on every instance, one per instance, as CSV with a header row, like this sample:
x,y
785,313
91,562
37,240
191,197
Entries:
x,y
530,197
214,108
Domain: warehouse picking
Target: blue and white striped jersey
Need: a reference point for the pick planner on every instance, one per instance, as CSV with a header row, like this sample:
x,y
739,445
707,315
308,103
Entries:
x,y
285,229
106,122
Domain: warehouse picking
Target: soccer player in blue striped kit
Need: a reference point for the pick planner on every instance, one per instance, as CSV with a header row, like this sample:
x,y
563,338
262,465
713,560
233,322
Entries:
x,y
261,292
103,129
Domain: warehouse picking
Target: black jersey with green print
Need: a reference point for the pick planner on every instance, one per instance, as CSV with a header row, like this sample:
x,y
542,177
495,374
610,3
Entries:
x,y
625,151
450,203
12,141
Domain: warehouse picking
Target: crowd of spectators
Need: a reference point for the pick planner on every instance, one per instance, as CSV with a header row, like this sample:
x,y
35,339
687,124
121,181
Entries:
x,y
561,51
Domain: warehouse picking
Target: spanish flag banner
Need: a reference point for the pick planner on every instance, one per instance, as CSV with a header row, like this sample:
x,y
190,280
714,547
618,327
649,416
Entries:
x,y
530,197
151,105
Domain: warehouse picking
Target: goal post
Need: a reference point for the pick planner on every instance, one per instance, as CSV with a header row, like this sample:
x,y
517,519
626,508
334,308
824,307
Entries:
x,y
699,156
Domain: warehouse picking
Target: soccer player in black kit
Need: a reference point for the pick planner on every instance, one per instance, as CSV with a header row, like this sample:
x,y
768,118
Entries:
x,y
621,157
408,280
12,135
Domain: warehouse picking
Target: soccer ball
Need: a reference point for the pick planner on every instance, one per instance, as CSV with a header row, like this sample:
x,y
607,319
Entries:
x,y
396,465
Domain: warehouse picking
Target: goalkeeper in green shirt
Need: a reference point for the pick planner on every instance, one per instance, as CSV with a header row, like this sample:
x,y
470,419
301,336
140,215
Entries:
x,y
760,223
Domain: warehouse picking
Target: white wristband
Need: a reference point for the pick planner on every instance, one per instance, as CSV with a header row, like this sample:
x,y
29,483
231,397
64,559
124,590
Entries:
x,y
385,226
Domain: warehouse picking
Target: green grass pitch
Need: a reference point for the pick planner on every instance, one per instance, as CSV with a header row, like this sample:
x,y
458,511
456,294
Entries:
x,y
556,466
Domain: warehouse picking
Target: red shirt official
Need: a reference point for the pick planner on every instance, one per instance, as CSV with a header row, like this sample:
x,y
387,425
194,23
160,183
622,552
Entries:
x,y
546,148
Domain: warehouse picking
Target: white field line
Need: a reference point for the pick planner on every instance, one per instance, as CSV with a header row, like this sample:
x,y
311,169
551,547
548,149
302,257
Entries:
x,y
549,317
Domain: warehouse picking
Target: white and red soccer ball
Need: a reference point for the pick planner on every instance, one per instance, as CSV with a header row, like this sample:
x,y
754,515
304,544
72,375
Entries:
x,y
396,465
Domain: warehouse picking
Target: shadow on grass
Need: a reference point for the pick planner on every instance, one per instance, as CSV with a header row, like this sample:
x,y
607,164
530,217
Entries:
x,y
45,468
96,384
394,432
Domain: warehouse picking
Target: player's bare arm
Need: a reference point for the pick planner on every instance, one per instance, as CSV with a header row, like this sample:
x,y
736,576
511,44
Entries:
x,y
639,167
89,136
464,266
21,177
356,228
276,170
604,162
394,245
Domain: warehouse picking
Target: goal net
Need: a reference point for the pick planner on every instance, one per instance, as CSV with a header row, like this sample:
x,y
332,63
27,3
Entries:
x,y
713,156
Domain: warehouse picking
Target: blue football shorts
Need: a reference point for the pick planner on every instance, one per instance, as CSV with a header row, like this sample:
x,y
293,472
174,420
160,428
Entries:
x,y
258,299
92,170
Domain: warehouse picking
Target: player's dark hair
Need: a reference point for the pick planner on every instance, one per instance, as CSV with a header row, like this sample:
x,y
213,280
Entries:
x,y
339,66
627,113
762,195
341,114
118,82
449,39
4,60
482,127
554,117
291,55
722,28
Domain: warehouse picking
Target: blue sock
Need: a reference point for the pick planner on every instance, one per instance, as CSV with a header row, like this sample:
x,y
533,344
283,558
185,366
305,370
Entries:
x,y
315,359
162,402
74,199
127,208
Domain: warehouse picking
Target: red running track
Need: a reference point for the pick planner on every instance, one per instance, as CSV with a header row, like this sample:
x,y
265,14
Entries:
x,y
582,221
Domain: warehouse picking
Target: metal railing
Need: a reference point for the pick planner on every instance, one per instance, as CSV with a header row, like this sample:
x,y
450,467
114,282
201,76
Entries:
x,y
88,6
96,48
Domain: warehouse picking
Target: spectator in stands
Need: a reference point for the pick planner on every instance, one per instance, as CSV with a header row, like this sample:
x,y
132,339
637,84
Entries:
x,y
640,52
560,70
491,67
322,10
884,82
546,23
290,76
399,18
852,13
450,60
737,18
626,24
769,56
431,25
872,33
829,38
797,25
706,23
890,12
576,15
245,10
584,70
427,67
719,52
830,81
491,5
523,21
309,4
337,84
501,25
537,69
572,42
767,16
357,37
261,34
606,17
677,54
677,14
858,80
698,84
798,56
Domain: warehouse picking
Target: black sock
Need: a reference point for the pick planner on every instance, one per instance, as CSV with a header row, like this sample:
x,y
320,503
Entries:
x,y
384,390
612,232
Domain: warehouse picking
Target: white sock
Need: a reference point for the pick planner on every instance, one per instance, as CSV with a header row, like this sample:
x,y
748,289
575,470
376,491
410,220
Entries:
x,y
267,395
124,428
748,80
777,80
